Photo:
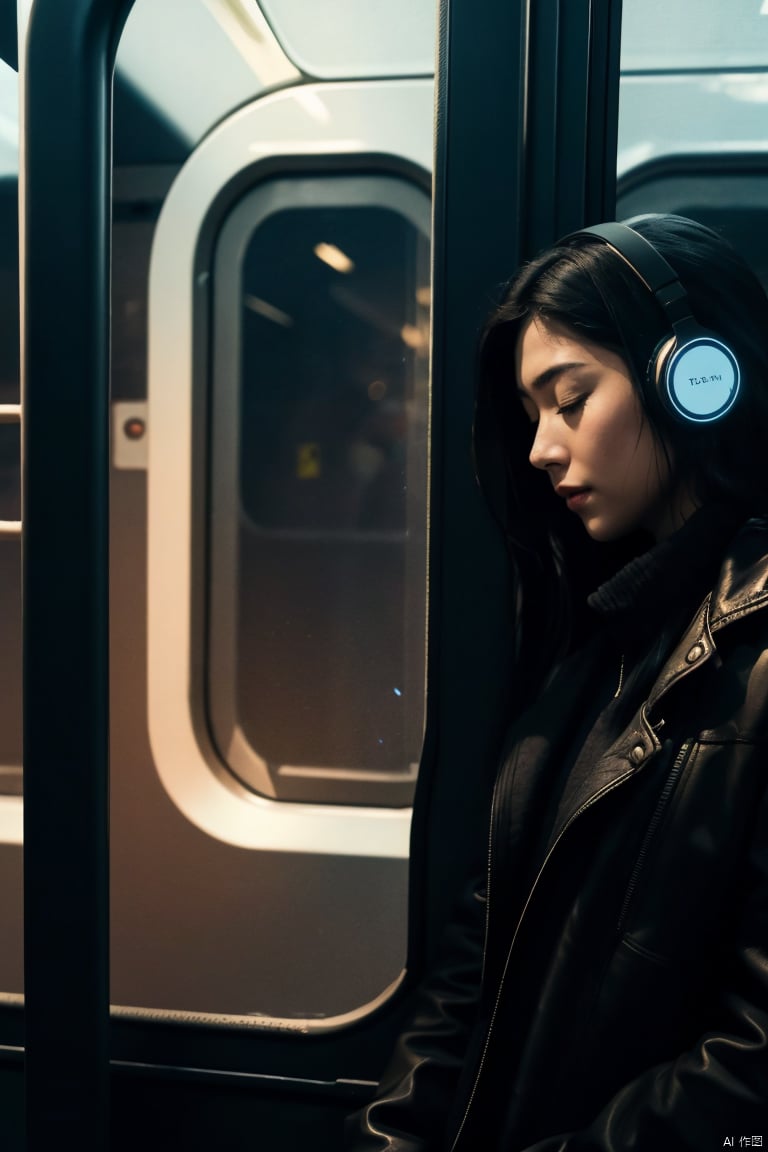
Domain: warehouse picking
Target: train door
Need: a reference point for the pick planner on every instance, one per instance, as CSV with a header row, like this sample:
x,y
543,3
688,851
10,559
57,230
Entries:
x,y
261,780
309,639
268,490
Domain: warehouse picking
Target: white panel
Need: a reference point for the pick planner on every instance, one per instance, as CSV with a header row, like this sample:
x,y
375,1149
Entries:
x,y
386,118
130,445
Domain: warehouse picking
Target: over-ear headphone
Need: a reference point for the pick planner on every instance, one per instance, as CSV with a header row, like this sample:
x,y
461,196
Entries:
x,y
695,373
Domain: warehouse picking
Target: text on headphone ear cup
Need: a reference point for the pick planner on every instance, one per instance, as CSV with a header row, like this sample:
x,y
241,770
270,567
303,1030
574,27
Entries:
x,y
701,380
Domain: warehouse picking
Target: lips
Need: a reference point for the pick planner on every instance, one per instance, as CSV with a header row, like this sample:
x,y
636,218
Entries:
x,y
575,498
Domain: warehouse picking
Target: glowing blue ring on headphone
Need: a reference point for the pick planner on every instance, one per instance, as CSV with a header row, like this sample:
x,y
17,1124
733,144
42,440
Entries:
x,y
702,380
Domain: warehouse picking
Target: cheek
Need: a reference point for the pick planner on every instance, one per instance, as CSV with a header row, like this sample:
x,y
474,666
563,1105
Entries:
x,y
653,459
613,439
632,445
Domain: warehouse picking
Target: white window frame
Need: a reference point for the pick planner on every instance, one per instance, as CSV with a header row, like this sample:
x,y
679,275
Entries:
x,y
385,118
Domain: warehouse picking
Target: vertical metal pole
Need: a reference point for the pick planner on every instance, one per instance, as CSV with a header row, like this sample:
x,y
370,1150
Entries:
x,y
65,391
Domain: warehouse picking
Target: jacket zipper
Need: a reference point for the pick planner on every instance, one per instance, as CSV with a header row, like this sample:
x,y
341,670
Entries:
x,y
620,684
588,804
491,826
651,830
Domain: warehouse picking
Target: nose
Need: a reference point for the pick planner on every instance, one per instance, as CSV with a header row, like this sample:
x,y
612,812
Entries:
x,y
548,449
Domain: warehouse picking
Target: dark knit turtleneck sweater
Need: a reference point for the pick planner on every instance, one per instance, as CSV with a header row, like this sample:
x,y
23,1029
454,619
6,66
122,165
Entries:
x,y
671,579
639,615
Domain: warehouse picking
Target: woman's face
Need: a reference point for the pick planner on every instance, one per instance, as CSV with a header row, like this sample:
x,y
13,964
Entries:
x,y
591,435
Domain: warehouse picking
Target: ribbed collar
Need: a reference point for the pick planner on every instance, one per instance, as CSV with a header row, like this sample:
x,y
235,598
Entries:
x,y
670,575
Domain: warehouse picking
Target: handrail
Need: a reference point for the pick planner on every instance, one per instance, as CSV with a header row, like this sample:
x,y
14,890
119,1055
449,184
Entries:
x,y
66,186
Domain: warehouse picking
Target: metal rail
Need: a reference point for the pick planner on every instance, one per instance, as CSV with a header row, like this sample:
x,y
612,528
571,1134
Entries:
x,y
66,181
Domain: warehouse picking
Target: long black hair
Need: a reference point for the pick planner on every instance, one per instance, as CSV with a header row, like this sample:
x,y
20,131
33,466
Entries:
x,y
585,286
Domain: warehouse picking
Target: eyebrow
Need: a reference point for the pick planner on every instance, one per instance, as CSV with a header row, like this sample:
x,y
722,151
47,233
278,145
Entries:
x,y
550,375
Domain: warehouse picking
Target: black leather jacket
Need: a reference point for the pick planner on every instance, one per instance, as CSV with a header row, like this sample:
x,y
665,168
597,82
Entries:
x,y
615,998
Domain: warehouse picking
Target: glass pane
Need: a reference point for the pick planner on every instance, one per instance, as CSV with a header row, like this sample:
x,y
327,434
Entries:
x,y
327,650
9,122
350,38
684,84
693,116
169,45
206,103
725,194
680,35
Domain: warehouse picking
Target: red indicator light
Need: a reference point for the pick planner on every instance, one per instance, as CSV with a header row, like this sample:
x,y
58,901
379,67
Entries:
x,y
134,428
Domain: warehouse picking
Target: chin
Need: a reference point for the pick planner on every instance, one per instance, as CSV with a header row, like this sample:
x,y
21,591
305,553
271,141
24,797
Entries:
x,y
598,531
606,533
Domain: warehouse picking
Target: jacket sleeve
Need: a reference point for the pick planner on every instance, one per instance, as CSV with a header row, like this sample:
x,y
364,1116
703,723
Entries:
x,y
409,1111
719,1087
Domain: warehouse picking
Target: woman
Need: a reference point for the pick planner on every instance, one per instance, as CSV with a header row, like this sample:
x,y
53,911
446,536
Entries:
x,y
605,987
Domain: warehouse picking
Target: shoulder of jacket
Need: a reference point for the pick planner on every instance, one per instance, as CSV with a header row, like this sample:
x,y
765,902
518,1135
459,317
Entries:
x,y
741,589
742,585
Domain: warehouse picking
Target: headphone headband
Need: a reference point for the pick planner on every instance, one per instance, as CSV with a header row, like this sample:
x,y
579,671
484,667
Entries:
x,y
658,275
696,374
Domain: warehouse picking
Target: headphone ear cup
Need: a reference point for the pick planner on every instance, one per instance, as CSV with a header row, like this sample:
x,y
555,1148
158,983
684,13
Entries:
x,y
694,374
698,379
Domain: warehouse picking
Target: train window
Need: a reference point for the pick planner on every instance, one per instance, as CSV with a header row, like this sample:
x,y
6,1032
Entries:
x,y
691,85
707,160
318,501
727,193
9,125
161,69
343,38
677,36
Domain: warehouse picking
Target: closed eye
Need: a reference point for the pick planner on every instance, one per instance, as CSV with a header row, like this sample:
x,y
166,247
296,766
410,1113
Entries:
x,y
572,406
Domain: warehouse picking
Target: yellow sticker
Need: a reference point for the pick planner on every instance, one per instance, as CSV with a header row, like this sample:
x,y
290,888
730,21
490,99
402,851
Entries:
x,y
308,461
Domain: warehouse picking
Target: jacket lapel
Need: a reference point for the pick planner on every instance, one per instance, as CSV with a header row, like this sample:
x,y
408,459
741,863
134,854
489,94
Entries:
x,y
627,756
741,590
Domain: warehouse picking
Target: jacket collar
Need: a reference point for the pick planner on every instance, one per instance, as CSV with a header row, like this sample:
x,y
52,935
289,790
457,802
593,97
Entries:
x,y
743,584
741,589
